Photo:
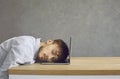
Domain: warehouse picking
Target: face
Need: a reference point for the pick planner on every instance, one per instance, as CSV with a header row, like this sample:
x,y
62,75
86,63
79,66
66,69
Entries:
x,y
49,53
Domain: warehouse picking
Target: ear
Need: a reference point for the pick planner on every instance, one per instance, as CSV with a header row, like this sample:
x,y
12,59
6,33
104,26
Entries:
x,y
50,41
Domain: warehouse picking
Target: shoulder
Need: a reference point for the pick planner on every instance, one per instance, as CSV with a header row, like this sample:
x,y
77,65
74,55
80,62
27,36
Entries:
x,y
25,36
23,39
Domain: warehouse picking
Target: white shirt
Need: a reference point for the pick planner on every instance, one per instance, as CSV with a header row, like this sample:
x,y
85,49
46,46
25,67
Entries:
x,y
18,50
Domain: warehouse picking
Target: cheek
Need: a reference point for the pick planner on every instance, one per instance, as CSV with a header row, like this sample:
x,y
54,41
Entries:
x,y
45,50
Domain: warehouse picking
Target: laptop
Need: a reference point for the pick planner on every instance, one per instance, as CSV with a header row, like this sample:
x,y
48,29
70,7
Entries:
x,y
66,62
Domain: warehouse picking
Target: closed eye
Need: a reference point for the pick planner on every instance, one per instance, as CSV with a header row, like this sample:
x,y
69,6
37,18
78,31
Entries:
x,y
54,53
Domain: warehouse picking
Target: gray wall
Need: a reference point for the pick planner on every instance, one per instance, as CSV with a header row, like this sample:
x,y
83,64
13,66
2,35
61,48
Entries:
x,y
93,24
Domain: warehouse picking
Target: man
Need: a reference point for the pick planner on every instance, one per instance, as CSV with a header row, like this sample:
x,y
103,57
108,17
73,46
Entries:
x,y
53,51
28,50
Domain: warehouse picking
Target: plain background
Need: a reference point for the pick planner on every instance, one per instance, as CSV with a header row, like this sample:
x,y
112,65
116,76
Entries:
x,y
94,25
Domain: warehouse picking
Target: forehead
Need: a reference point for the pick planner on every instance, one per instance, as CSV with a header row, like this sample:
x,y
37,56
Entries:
x,y
56,48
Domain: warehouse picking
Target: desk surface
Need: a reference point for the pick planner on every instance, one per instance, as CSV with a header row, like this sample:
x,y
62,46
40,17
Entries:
x,y
78,66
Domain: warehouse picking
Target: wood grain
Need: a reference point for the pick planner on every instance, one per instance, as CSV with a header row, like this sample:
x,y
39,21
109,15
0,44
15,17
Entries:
x,y
78,66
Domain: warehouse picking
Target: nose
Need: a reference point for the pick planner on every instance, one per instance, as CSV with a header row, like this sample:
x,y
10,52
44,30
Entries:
x,y
45,57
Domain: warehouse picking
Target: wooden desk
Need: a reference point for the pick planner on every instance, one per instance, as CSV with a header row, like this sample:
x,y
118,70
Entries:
x,y
78,66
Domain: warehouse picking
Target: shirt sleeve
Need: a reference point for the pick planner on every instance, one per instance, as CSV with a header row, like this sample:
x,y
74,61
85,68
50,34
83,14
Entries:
x,y
20,50
19,54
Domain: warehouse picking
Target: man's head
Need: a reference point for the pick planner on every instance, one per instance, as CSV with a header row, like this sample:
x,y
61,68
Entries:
x,y
53,51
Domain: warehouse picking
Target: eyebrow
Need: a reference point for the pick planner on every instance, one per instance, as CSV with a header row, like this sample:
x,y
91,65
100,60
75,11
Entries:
x,y
53,59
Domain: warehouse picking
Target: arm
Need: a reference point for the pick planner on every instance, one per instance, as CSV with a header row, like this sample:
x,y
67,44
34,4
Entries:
x,y
20,54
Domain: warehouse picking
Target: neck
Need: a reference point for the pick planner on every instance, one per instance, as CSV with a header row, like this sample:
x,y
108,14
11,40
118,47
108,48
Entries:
x,y
42,44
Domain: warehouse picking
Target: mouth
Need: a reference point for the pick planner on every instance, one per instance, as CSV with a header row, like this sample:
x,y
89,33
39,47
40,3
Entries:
x,y
44,58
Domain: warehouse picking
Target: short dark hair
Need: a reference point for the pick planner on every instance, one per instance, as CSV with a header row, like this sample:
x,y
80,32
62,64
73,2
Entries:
x,y
64,50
